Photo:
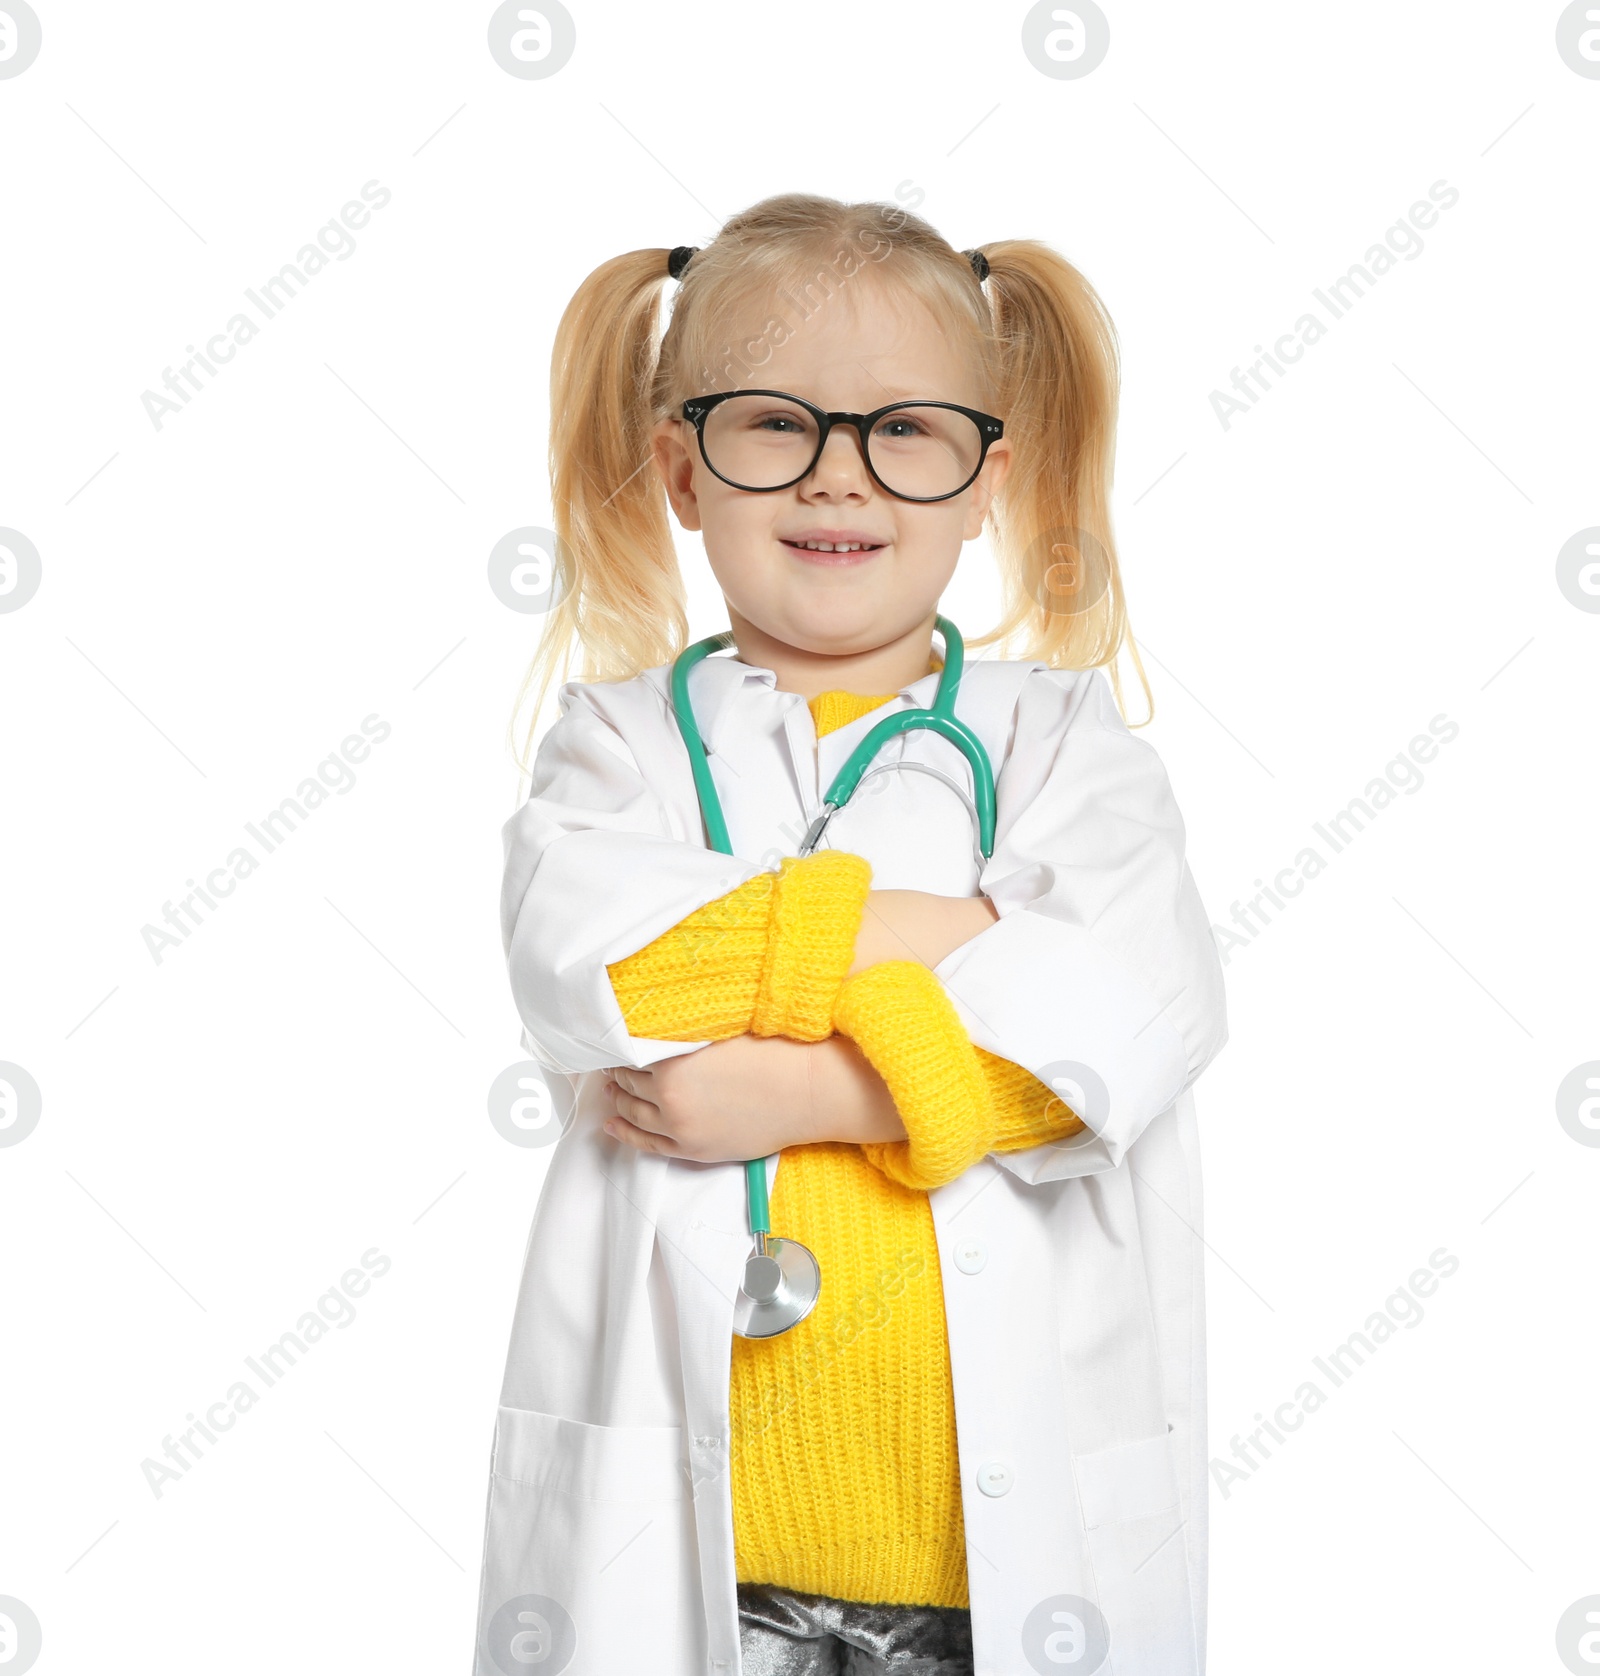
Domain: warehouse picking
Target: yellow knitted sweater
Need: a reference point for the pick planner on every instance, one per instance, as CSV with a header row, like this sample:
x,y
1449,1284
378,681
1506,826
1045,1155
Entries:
x,y
843,1456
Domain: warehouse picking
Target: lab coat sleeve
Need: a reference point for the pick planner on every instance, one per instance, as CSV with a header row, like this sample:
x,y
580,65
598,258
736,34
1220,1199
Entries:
x,y
1100,975
595,868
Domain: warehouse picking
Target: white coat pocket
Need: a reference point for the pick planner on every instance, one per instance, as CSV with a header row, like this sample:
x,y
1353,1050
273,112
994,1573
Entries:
x,y
566,1501
1128,1481
1133,1520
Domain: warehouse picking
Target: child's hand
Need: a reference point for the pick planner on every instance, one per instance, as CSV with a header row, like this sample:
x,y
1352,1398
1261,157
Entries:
x,y
749,1096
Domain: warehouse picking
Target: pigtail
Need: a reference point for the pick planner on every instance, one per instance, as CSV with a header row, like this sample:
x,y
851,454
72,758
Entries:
x,y
619,592
1059,376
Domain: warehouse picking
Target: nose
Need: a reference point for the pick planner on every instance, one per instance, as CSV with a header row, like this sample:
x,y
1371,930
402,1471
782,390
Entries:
x,y
841,468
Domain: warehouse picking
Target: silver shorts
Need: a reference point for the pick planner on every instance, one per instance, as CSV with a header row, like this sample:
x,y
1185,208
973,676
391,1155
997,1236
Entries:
x,y
782,1633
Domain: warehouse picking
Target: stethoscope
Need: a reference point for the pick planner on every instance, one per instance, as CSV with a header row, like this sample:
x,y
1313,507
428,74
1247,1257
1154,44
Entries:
x,y
782,1278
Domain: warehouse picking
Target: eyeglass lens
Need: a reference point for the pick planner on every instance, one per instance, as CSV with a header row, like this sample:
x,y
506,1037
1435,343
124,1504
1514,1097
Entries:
x,y
764,442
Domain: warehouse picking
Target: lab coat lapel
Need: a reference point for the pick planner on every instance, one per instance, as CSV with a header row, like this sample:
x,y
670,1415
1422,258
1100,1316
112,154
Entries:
x,y
758,749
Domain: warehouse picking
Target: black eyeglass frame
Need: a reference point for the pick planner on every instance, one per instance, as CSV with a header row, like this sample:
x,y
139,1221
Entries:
x,y
990,430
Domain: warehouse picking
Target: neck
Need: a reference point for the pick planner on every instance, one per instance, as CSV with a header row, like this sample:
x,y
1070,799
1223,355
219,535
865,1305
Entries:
x,y
877,669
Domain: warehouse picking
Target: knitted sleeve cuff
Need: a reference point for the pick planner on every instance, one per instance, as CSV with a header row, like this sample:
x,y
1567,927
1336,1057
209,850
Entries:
x,y
818,902
768,957
698,980
1027,1112
898,1014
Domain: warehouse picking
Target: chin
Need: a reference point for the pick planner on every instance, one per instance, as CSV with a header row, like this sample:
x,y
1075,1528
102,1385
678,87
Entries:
x,y
831,631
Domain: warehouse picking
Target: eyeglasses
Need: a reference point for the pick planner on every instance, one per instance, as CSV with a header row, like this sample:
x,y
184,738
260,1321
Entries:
x,y
761,440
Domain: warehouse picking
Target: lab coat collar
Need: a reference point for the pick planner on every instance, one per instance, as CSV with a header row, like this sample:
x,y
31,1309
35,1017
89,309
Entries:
x,y
715,679
713,682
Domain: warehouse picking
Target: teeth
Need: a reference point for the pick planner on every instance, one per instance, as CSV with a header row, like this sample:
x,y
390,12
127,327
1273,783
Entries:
x,y
832,546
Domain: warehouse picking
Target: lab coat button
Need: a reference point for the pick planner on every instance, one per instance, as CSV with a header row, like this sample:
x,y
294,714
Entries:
x,y
994,1478
971,1255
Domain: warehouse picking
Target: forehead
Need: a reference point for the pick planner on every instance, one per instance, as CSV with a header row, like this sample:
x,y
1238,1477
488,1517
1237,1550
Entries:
x,y
869,342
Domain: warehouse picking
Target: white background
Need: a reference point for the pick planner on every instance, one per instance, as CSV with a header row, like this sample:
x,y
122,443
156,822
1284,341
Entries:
x,y
224,598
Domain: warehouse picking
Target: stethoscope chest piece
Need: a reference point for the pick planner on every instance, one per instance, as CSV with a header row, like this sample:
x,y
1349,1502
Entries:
x,y
782,1283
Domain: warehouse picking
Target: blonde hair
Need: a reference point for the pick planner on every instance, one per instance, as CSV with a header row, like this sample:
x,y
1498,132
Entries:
x,y
1043,348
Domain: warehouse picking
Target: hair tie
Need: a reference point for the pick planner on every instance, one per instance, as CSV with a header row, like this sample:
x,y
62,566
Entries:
x,y
678,259
980,263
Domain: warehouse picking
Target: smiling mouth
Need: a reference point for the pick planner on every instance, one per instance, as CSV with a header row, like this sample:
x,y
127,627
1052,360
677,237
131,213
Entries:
x,y
836,547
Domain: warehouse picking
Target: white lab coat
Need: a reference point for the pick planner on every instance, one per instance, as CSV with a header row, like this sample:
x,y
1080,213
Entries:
x,y
1071,1272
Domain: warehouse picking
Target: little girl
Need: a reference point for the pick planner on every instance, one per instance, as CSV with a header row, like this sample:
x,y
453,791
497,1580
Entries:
x,y
967,1061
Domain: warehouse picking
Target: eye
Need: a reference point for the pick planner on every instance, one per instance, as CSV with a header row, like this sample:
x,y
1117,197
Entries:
x,y
899,427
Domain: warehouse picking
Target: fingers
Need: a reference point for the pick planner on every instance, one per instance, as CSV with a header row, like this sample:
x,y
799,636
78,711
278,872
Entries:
x,y
620,1129
644,1113
635,1118
636,1085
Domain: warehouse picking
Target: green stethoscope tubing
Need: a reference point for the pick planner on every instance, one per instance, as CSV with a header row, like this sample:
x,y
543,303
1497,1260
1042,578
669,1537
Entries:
x,y
940,717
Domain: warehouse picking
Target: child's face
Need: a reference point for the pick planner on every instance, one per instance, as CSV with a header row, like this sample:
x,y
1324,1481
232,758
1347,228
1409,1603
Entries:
x,y
886,347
